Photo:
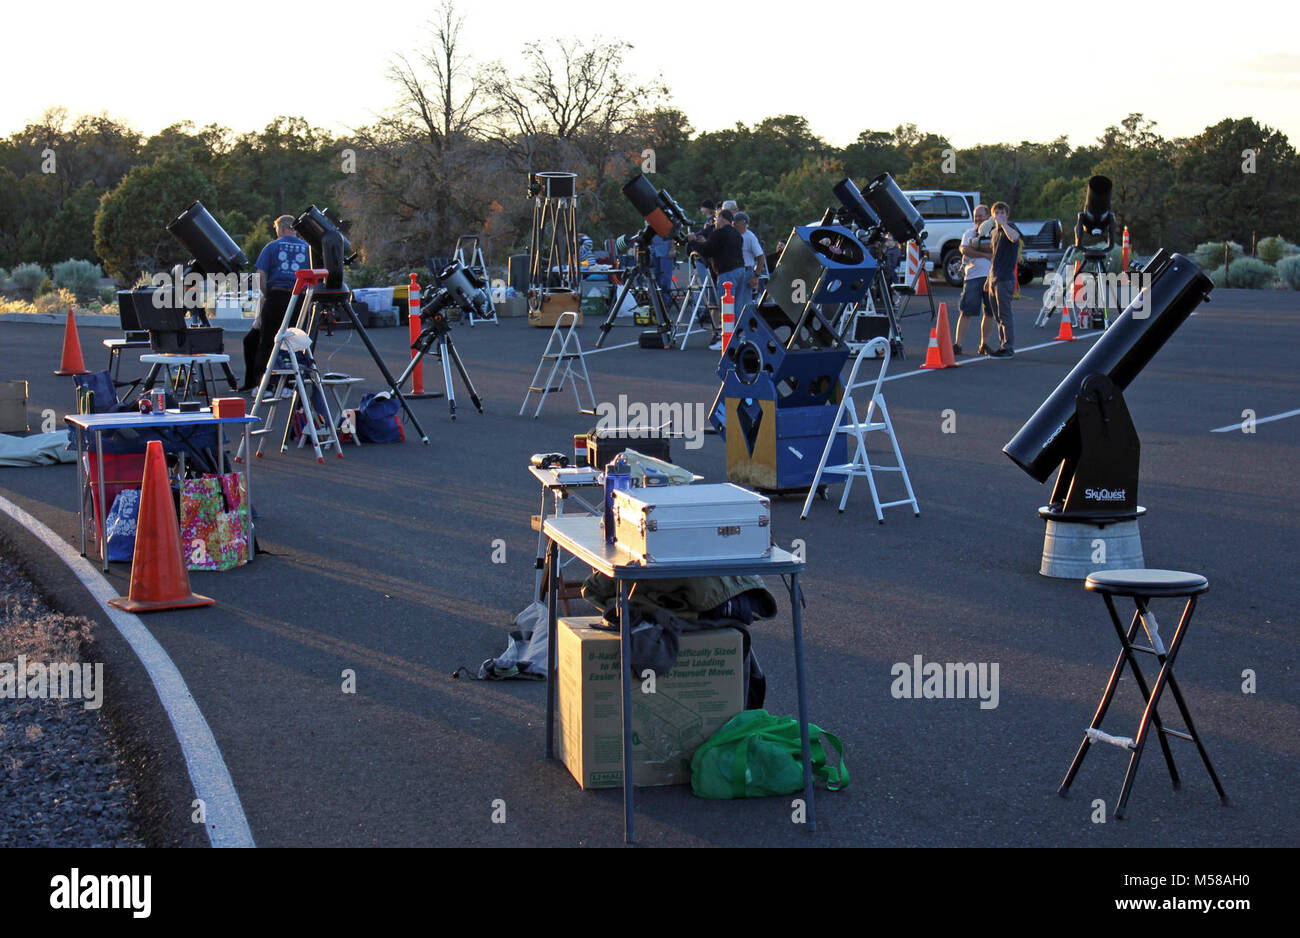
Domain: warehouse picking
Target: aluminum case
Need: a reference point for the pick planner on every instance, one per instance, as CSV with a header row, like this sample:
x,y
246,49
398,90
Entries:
x,y
684,523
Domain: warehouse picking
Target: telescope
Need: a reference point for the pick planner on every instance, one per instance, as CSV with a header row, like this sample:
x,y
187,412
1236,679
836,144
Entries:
x,y
215,252
1083,427
323,233
663,216
1096,219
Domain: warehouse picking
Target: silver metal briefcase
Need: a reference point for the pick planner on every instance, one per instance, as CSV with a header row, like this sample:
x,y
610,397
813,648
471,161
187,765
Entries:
x,y
693,522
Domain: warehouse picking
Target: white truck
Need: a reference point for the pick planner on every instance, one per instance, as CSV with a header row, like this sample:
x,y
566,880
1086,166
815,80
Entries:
x,y
948,214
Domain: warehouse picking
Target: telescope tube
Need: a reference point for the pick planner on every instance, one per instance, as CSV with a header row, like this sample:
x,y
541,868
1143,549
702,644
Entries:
x,y
641,193
215,252
1176,288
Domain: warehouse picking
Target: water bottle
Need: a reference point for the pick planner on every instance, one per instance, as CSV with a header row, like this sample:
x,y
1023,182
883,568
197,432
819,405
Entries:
x,y
618,475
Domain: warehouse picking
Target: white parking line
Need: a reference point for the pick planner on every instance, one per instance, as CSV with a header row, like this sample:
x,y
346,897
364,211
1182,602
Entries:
x,y
1092,334
1237,426
223,812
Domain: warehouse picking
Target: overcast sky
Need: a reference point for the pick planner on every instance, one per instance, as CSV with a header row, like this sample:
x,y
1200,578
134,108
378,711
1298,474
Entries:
x,y
1035,76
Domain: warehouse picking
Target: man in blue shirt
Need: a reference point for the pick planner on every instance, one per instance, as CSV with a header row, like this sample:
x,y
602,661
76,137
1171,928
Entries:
x,y
277,269
1002,277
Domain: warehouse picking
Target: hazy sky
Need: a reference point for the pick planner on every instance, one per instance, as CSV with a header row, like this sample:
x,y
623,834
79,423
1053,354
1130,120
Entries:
x,y
873,67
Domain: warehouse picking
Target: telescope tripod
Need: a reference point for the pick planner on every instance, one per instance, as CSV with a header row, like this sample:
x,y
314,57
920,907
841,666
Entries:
x,y
1099,315
643,281
433,335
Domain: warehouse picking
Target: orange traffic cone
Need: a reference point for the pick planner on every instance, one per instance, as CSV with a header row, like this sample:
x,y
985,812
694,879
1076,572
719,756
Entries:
x,y
1065,333
945,339
72,363
933,357
159,579
922,283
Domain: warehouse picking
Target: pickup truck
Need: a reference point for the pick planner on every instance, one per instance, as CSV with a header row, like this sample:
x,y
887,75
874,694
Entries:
x,y
948,215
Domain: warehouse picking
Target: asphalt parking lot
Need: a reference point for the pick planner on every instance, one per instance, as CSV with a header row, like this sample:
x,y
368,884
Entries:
x,y
382,563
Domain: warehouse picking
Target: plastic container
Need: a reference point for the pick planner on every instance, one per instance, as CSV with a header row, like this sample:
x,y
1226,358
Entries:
x,y
618,477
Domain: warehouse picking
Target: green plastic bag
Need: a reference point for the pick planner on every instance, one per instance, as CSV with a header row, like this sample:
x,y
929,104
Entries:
x,y
756,754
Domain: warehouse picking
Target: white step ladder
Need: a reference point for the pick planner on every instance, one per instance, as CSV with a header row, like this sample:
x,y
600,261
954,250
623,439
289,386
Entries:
x,y
566,354
860,463
299,373
475,262
694,300
1060,287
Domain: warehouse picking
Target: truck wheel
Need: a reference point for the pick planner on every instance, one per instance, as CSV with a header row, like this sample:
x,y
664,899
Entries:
x,y
952,263
1024,274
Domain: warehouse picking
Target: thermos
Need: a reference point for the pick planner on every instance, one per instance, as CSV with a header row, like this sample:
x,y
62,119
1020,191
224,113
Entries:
x,y
618,475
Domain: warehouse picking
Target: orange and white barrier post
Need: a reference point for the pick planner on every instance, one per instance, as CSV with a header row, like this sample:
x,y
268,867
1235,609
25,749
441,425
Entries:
x,y
728,315
413,304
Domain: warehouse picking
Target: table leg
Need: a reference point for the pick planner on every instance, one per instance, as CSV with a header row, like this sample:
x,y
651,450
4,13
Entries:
x,y
625,682
248,494
552,588
81,486
103,509
541,548
796,604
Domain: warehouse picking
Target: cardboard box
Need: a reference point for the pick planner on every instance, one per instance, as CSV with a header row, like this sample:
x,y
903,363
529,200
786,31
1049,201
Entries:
x,y
13,407
553,304
704,690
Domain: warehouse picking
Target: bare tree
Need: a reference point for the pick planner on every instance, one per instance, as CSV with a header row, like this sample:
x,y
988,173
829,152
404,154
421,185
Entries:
x,y
571,101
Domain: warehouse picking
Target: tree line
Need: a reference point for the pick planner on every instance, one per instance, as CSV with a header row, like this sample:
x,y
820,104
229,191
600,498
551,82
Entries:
x,y
451,156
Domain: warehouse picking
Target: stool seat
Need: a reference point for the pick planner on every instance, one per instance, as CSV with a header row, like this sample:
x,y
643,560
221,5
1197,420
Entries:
x,y
1148,583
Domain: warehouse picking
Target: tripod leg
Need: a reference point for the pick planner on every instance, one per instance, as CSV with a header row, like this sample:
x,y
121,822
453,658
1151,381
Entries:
x,y
464,376
446,376
614,307
383,369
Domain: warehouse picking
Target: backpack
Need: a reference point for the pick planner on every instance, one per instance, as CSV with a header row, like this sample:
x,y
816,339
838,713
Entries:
x,y
377,420
755,754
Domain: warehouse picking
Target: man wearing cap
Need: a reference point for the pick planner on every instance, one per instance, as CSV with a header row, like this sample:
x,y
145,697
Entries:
x,y
755,261
975,272
725,248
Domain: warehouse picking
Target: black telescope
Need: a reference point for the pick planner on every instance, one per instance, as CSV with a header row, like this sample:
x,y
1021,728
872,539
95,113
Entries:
x,y
215,252
897,214
329,247
1174,287
856,207
1096,218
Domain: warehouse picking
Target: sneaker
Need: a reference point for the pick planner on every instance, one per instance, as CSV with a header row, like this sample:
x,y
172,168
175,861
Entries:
x,y
983,350
1003,352
716,346
956,349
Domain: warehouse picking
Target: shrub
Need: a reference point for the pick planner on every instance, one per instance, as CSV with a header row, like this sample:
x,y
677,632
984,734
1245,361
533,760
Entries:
x,y
47,285
28,277
1288,268
368,275
81,277
107,295
1271,250
1249,272
56,301
1210,256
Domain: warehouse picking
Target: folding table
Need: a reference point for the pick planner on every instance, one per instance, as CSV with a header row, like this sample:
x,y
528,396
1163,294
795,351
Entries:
x,y
584,537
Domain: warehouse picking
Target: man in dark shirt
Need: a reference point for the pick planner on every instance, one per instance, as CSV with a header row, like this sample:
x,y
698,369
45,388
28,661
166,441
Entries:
x,y
1002,278
277,269
726,248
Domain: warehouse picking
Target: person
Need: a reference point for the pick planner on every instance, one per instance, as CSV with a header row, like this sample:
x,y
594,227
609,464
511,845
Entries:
x,y
710,214
725,248
755,261
892,256
277,269
586,250
975,271
664,254
1001,283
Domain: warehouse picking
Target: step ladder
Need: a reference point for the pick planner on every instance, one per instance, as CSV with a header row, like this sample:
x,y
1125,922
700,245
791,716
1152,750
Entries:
x,y
291,374
568,355
696,298
847,422
1060,287
470,253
